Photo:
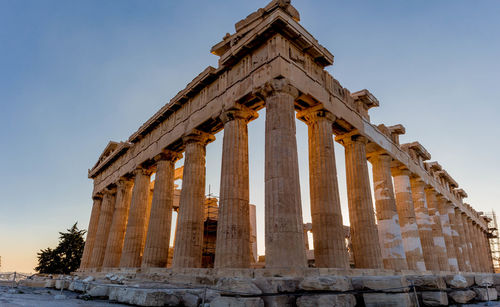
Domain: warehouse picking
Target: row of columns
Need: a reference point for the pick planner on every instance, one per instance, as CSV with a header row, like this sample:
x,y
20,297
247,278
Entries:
x,y
412,226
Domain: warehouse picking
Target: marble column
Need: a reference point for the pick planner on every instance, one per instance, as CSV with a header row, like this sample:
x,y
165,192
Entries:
x,y
330,250
389,230
91,232
364,233
189,233
233,226
448,237
489,258
424,223
455,233
160,220
437,230
462,240
483,254
284,237
119,223
101,237
137,226
478,246
408,220
476,267
468,241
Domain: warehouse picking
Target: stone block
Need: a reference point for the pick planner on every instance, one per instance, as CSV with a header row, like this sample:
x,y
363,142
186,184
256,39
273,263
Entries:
x,y
326,283
88,279
381,283
116,293
144,297
462,296
326,300
459,281
32,283
426,282
50,283
484,280
190,299
61,284
496,279
233,285
277,284
434,298
484,295
237,302
98,291
387,300
78,286
280,301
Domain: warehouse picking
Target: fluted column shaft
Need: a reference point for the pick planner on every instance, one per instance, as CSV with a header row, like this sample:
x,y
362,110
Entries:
x,y
140,208
91,232
189,233
160,220
389,230
330,250
462,240
482,248
407,220
364,233
476,265
424,223
283,208
486,250
437,230
101,238
118,224
456,236
479,247
447,233
468,242
489,258
233,226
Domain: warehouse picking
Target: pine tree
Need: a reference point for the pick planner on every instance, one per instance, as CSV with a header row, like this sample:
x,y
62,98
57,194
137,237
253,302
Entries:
x,y
65,258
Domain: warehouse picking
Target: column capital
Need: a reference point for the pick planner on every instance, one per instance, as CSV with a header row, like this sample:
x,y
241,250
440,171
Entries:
x,y
351,137
380,155
400,171
430,188
97,196
124,182
452,204
314,114
418,179
197,136
168,155
238,112
140,170
109,190
276,86
442,198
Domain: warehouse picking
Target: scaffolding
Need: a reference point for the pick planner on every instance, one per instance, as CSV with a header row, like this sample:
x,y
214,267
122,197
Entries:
x,y
494,240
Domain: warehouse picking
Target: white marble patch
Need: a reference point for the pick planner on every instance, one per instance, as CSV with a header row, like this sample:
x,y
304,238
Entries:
x,y
453,262
421,266
439,241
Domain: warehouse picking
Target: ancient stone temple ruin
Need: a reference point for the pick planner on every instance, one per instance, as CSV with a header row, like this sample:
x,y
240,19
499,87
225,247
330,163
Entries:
x,y
418,221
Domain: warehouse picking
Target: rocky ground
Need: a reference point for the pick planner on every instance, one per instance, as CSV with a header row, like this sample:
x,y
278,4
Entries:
x,y
308,291
43,297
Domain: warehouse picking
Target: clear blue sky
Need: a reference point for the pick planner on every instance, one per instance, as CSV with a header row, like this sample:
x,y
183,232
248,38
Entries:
x,y
76,74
